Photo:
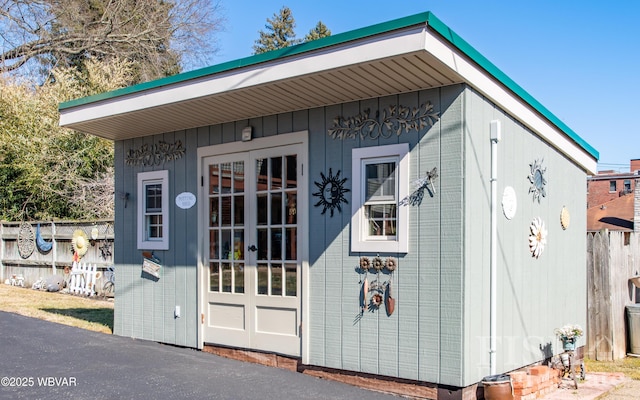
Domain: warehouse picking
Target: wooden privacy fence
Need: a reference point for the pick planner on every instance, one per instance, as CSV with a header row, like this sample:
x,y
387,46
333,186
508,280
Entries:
x,y
612,258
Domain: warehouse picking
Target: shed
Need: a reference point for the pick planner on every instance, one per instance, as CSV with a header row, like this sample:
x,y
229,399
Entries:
x,y
279,197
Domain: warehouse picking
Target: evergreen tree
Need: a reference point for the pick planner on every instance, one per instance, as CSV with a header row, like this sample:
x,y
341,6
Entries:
x,y
279,33
318,32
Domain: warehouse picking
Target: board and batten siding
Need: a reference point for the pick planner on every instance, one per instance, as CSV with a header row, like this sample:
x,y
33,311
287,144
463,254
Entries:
x,y
422,340
535,296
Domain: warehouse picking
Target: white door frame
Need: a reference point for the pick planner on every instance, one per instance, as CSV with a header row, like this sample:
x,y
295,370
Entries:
x,y
302,138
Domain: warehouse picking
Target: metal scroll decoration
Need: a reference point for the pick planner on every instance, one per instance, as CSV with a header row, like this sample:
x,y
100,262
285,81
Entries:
x,y
537,180
155,154
26,240
395,119
331,192
421,184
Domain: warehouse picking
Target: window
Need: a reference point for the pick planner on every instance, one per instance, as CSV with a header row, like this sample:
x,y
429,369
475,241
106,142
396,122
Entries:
x,y
612,186
380,181
627,185
153,210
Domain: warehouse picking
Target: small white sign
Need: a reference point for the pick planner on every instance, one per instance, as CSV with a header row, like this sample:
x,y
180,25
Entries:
x,y
509,202
185,200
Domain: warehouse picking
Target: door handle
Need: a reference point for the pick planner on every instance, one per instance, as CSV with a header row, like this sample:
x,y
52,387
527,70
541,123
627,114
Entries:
x,y
252,248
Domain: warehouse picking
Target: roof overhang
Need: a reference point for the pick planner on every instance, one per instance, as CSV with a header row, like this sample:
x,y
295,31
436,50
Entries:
x,y
409,54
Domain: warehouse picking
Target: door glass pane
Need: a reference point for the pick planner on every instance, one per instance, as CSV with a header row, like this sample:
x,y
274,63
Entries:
x,y
291,208
262,209
261,174
263,244
276,244
225,171
276,173
263,279
291,280
213,211
238,286
238,177
276,208
214,277
225,239
214,180
238,210
226,278
292,171
276,280
214,244
225,211
290,244
238,244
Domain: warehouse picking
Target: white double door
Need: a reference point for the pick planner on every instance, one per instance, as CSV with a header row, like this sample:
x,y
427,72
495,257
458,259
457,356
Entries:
x,y
252,269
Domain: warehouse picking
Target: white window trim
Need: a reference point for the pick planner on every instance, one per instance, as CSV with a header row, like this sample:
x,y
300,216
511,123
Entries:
x,y
163,178
359,242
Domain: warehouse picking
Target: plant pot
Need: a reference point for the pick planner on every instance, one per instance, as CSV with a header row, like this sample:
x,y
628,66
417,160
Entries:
x,y
569,344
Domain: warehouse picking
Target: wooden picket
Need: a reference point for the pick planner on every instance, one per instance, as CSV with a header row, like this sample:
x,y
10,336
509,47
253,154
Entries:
x,y
83,279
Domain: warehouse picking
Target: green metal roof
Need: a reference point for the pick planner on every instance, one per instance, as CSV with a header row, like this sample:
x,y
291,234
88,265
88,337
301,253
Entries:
x,y
423,18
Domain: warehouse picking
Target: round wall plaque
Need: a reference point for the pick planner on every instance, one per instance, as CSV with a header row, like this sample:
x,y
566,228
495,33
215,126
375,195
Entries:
x,y
185,200
565,218
509,202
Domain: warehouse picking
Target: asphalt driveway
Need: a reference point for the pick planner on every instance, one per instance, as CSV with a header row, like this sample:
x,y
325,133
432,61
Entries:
x,y
44,360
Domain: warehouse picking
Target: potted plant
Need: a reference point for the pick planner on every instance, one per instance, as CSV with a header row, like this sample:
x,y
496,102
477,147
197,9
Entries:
x,y
569,335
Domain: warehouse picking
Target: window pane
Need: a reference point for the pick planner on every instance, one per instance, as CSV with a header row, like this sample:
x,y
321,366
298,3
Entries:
x,y
238,244
291,244
262,209
382,219
263,279
612,186
213,211
238,210
153,197
276,280
238,177
225,211
291,282
154,226
380,182
276,208
261,174
226,278
238,284
225,171
214,244
214,179
276,244
292,208
225,239
292,171
276,173
263,244
214,277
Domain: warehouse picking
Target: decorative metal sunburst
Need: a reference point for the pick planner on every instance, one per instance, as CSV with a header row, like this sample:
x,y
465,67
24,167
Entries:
x,y
331,193
537,180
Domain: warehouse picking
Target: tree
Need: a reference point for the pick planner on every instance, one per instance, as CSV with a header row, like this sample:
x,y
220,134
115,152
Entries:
x,y
318,32
154,34
280,32
51,172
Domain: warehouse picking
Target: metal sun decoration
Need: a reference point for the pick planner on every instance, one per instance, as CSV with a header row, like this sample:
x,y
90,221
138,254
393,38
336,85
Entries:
x,y
331,193
537,180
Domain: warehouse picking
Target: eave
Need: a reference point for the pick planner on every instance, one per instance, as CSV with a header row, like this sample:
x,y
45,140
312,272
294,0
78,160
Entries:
x,y
409,54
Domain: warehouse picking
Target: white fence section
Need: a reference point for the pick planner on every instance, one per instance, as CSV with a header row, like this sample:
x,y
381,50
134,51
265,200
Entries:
x,y
83,279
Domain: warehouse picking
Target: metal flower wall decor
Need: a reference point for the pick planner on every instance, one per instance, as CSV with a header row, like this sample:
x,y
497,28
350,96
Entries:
x,y
155,154
395,119
537,180
537,237
331,192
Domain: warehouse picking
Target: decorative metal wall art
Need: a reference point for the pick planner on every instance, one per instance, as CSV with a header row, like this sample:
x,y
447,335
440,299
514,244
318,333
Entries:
x,y
331,193
537,237
26,240
377,292
395,119
421,184
537,180
155,154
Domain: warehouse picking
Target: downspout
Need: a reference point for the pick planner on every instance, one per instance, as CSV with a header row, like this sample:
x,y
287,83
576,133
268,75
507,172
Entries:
x,y
493,324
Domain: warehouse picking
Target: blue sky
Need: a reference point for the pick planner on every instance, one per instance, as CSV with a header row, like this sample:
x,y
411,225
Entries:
x,y
580,59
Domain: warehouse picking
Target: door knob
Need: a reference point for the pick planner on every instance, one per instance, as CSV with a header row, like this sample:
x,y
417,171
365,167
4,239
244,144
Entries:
x,y
252,248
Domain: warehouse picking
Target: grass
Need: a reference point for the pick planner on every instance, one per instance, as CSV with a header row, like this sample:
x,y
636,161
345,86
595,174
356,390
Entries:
x,y
81,312
630,366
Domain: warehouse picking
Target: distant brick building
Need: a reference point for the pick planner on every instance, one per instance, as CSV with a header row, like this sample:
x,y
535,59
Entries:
x,y
611,200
